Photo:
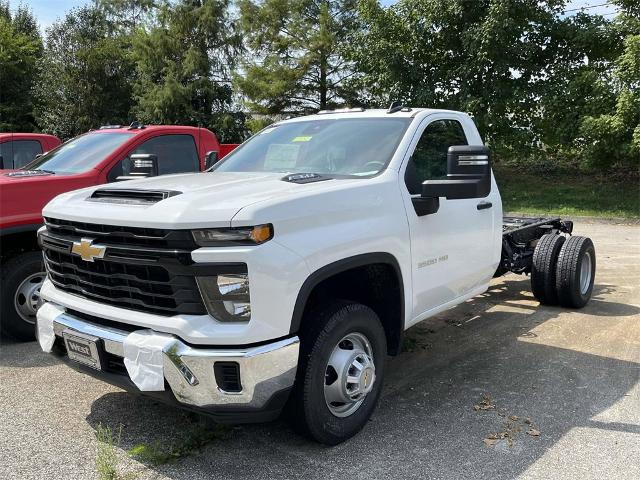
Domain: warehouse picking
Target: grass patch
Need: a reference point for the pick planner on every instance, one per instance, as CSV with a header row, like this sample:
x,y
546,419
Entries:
x,y
561,194
107,458
191,442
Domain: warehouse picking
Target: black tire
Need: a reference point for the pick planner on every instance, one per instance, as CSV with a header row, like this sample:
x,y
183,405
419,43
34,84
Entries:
x,y
310,412
543,268
573,292
12,274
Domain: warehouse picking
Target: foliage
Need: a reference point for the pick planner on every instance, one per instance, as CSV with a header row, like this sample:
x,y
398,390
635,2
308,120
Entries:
x,y
20,48
612,138
106,457
195,437
258,122
483,57
549,91
542,87
127,16
182,67
568,194
85,75
296,63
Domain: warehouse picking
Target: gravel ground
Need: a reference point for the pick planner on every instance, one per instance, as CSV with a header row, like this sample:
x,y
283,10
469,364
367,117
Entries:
x,y
574,375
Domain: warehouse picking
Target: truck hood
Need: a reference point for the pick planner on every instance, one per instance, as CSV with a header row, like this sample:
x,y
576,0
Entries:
x,y
203,200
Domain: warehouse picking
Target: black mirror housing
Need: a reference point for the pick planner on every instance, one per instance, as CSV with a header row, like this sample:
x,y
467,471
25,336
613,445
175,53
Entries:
x,y
210,159
468,174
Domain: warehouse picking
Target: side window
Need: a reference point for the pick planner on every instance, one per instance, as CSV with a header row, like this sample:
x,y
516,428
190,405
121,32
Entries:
x,y
176,154
429,159
6,152
24,151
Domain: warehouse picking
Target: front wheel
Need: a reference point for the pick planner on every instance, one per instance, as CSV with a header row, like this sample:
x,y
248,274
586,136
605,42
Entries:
x,y
21,280
341,372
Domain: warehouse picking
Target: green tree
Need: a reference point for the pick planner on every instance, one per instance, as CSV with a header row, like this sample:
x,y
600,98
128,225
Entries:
x,y
296,62
85,75
183,66
485,57
611,137
127,16
20,48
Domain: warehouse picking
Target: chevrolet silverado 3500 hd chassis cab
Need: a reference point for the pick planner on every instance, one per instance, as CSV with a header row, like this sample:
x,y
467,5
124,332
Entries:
x,y
284,276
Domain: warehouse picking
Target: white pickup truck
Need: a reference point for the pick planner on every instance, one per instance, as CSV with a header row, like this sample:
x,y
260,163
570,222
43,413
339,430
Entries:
x,y
283,277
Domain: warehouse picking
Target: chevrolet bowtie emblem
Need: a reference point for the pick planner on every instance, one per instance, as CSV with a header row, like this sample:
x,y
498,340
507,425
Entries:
x,y
87,251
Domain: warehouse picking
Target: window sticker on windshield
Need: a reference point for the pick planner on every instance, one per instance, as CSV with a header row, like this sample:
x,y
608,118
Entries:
x,y
281,157
302,139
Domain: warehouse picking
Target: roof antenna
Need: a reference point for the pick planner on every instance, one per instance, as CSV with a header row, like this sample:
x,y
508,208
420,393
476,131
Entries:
x,y
395,106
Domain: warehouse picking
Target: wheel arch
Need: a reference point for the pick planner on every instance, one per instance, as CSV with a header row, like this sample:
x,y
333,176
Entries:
x,y
367,266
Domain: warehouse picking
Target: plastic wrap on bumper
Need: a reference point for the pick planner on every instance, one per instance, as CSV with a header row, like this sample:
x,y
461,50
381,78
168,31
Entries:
x,y
189,371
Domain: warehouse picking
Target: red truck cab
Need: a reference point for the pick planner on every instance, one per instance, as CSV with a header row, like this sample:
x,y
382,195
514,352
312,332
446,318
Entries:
x,y
97,157
18,149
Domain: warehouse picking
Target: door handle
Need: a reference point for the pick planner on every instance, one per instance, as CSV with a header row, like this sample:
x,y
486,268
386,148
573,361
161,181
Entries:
x,y
484,205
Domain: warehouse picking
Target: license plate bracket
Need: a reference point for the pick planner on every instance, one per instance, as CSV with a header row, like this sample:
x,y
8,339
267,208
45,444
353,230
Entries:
x,y
83,348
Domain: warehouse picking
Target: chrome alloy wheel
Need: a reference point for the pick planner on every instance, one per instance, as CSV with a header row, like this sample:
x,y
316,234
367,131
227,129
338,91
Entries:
x,y
585,273
27,296
349,375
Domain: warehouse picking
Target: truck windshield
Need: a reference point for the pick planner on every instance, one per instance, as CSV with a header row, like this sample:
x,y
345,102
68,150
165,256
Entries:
x,y
80,154
337,147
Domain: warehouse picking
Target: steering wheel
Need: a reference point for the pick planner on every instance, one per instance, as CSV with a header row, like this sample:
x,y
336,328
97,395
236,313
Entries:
x,y
375,165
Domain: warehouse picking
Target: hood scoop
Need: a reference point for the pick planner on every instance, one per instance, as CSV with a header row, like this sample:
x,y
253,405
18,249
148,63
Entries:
x,y
303,178
131,196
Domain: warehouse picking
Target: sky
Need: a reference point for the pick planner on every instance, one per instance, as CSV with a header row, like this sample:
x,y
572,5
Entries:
x,y
47,11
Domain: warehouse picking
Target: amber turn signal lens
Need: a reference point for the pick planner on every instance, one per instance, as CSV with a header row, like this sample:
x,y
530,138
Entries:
x,y
261,233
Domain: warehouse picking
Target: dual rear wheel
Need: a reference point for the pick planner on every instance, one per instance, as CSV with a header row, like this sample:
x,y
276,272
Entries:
x,y
563,270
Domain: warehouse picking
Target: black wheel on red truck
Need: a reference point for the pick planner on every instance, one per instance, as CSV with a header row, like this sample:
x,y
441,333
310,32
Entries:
x,y
543,268
21,278
340,374
576,271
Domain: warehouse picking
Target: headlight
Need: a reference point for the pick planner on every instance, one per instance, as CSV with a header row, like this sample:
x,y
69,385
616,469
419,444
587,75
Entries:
x,y
216,237
226,296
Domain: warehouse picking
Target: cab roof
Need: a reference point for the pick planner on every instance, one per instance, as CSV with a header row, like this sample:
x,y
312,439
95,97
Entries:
x,y
405,112
142,128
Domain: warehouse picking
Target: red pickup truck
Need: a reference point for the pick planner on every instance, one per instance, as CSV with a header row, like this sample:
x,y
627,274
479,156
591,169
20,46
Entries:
x,y
18,149
96,157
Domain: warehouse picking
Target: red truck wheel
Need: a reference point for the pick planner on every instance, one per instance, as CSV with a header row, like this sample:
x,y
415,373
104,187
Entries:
x,y
21,279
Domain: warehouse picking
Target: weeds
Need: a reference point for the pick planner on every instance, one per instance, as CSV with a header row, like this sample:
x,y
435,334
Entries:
x,y
194,439
107,457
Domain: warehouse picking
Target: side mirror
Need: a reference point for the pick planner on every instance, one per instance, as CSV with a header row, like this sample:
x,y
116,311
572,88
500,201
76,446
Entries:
x,y
468,174
210,159
144,165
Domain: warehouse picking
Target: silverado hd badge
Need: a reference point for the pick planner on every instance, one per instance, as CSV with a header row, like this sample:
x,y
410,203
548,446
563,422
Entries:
x,y
87,251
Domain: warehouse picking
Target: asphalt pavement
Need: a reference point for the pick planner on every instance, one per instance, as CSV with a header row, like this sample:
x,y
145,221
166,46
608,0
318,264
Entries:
x,y
499,387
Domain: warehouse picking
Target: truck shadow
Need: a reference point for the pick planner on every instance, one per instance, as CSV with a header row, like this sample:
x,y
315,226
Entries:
x,y
18,354
522,360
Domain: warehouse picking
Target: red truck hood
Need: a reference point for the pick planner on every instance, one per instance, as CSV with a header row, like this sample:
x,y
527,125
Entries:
x,y
22,197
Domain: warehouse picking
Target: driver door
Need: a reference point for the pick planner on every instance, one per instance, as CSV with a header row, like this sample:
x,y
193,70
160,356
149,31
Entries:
x,y
453,249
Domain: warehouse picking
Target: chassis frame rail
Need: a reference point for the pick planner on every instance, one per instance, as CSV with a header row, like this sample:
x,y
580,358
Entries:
x,y
520,236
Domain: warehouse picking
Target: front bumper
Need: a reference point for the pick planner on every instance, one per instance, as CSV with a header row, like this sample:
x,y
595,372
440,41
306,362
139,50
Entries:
x,y
266,372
